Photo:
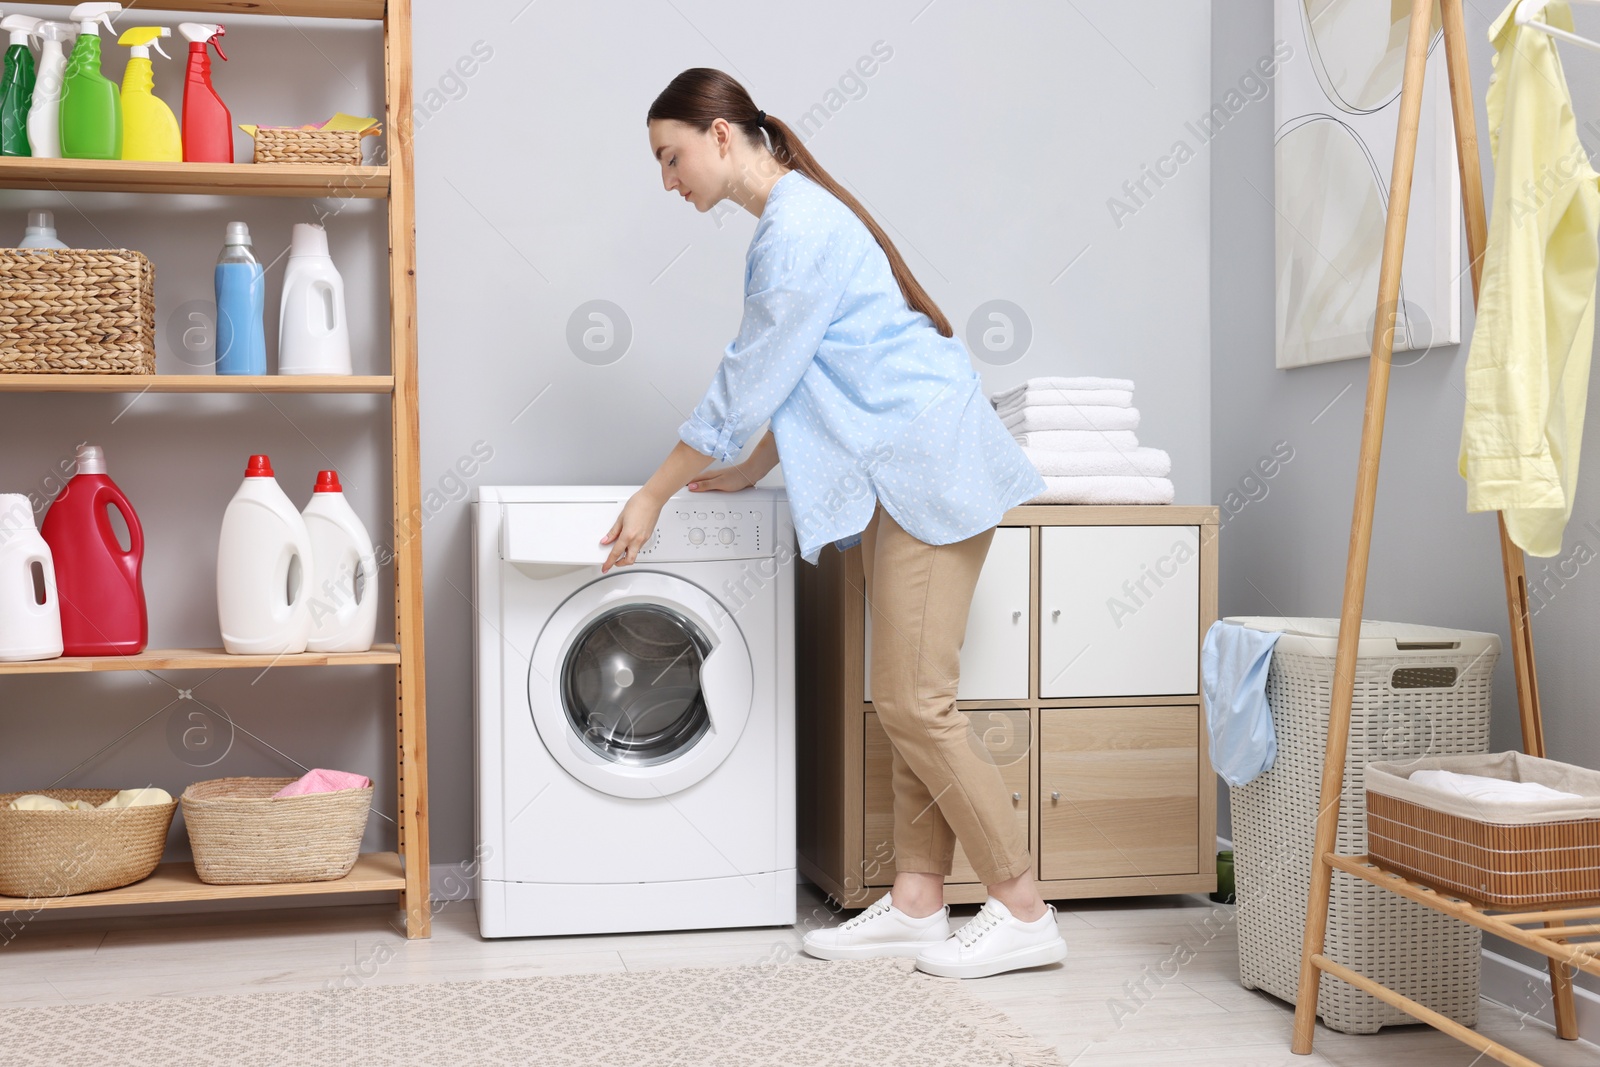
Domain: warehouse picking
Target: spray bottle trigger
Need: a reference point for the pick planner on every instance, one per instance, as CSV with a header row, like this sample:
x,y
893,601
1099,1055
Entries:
x,y
216,42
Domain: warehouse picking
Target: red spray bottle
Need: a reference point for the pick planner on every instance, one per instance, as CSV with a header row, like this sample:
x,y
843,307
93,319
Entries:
x,y
97,581
207,125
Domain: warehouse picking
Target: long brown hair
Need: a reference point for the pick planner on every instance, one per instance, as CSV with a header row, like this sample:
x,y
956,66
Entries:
x,y
701,95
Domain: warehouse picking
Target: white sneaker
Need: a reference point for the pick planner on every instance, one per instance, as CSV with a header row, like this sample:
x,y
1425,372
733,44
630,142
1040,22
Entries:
x,y
993,942
880,930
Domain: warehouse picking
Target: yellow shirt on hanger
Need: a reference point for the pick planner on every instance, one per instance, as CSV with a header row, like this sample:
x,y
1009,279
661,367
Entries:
x,y
1528,367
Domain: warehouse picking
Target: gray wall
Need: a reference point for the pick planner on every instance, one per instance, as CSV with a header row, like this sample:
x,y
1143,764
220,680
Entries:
x,y
1431,562
990,161
987,158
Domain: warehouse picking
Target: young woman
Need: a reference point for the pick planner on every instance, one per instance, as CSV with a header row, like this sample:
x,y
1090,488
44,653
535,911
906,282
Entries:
x,y
887,440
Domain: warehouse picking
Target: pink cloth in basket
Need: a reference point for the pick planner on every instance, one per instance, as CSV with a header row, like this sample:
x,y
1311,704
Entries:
x,y
319,780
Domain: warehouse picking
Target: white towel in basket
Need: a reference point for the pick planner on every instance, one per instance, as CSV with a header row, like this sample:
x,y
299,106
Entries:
x,y
1482,787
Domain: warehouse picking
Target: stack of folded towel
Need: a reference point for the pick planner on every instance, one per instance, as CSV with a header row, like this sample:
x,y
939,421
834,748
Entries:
x,y
1079,434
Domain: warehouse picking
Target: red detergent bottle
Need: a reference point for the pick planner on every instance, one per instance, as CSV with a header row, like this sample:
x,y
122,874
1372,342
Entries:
x,y
207,125
97,581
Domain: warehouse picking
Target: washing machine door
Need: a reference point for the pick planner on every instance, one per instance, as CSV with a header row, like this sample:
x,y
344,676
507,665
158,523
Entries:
x,y
640,684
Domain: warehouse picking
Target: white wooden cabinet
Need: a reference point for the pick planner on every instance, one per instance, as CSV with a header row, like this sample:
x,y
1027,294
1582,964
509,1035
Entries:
x,y
1091,709
1120,610
994,653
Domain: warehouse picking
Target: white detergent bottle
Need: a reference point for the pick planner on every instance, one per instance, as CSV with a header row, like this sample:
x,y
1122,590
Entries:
x,y
313,334
30,614
265,570
44,114
344,604
41,231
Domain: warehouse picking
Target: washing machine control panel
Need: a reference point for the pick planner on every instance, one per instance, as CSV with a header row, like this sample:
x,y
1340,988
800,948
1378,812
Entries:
x,y
693,530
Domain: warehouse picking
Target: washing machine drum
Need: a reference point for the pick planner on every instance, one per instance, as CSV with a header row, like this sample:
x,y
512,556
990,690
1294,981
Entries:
x,y
640,685
630,684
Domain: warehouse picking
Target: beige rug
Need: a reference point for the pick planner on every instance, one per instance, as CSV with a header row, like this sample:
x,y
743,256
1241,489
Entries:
x,y
844,1014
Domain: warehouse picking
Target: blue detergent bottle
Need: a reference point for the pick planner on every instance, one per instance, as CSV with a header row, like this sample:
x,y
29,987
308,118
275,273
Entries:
x,y
241,306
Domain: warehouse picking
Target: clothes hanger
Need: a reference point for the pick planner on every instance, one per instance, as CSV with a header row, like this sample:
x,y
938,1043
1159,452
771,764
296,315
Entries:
x,y
1530,12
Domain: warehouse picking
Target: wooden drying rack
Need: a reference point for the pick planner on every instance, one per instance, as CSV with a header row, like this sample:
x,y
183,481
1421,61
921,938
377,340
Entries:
x,y
1547,931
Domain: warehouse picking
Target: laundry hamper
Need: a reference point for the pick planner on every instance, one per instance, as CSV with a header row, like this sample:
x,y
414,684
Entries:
x,y
241,834
1419,691
1520,855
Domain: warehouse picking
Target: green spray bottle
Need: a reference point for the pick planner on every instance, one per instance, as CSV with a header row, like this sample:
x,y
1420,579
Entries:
x,y
16,86
91,106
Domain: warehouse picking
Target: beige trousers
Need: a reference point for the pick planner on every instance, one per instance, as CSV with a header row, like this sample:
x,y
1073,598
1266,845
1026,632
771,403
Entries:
x,y
944,788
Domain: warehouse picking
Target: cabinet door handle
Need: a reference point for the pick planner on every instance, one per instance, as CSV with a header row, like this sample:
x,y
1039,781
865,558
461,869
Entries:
x,y
1016,796
1055,794
1015,615
1056,614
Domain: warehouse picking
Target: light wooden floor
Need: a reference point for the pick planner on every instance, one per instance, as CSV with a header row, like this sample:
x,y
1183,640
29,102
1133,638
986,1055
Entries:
x,y
1084,1006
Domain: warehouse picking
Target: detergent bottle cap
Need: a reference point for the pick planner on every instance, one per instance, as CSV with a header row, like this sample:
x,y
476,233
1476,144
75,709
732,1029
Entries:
x,y
328,482
21,27
41,219
89,16
91,459
258,467
141,39
16,515
238,234
309,239
202,34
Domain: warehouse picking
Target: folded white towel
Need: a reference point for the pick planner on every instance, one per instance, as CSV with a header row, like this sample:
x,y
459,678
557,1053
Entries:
x,y
1145,462
1111,398
1057,382
1130,490
1063,417
1481,787
1079,440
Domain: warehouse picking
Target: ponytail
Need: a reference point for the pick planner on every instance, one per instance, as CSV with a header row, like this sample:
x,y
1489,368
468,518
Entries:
x,y
700,95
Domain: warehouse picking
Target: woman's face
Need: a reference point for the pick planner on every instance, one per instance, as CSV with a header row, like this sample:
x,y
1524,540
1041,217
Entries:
x,y
694,165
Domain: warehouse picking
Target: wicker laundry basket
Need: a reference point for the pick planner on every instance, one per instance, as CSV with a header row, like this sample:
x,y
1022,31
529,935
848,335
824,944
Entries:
x,y
1523,855
242,835
62,853
77,311
1419,690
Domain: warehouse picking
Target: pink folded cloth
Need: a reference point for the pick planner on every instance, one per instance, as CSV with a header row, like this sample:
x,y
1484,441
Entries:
x,y
319,780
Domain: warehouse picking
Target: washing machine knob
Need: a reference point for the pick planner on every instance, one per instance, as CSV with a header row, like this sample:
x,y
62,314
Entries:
x,y
696,536
725,536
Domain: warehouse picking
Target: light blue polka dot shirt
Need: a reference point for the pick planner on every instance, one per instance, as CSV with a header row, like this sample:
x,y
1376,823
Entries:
x,y
867,400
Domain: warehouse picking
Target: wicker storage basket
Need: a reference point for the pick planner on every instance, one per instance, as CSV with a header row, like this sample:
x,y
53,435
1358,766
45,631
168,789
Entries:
x,y
241,835
60,853
77,311
1494,853
308,146
1418,689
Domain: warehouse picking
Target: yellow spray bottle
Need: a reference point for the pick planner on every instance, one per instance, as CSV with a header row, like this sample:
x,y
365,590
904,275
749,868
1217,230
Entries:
x,y
149,128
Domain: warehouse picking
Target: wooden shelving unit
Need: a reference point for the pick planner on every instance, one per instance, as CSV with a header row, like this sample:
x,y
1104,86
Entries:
x,y
199,179
201,659
195,383
405,870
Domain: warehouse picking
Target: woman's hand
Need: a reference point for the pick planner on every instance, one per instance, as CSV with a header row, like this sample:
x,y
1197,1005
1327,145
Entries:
x,y
632,530
762,459
727,480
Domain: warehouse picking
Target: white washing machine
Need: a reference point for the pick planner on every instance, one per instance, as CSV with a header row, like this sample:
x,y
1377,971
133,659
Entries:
x,y
635,729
